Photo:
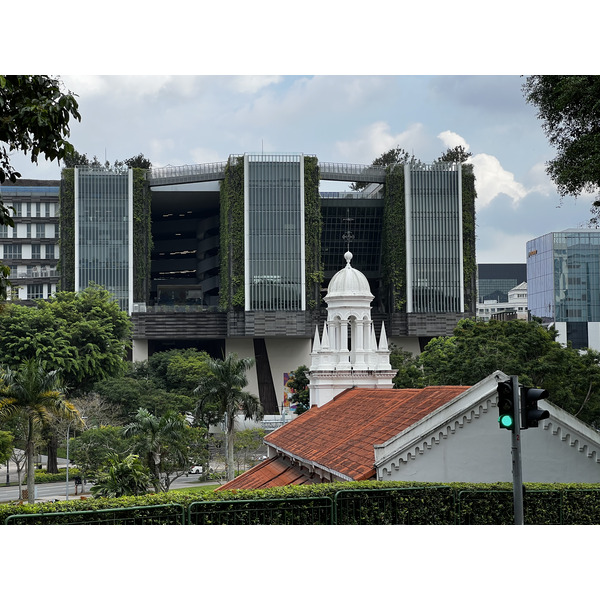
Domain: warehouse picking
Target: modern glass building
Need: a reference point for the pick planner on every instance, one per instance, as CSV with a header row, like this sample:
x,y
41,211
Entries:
x,y
434,241
236,256
104,232
274,232
494,281
563,274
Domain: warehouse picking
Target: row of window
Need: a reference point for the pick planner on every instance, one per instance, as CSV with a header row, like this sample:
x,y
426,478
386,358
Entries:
x,y
26,230
15,251
33,209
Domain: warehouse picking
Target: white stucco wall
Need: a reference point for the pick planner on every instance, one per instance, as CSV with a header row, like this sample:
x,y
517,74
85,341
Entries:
x,y
479,451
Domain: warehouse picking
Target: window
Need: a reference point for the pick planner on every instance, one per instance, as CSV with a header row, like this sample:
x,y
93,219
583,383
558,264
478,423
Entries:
x,y
49,250
36,251
35,290
12,251
3,231
40,230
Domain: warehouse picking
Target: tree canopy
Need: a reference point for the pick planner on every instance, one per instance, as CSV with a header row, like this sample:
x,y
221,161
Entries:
x,y
84,334
35,119
526,349
569,108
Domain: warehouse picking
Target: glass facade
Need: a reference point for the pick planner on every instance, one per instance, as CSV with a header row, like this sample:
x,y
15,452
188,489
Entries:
x,y
563,274
103,236
363,219
434,249
274,222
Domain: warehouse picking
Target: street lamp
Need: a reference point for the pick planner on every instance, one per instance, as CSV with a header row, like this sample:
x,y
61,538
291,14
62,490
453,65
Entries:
x,y
68,431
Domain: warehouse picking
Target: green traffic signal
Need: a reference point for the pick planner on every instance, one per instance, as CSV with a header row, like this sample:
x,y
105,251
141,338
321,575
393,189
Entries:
x,y
506,405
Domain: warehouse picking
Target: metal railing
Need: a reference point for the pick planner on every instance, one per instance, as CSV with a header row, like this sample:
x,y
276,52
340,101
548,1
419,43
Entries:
x,y
317,510
156,514
186,173
430,505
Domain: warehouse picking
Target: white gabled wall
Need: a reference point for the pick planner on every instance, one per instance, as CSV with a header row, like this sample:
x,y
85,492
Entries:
x,y
470,447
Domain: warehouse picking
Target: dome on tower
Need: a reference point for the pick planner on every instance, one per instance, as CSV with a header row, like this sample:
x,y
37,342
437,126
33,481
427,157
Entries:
x,y
348,282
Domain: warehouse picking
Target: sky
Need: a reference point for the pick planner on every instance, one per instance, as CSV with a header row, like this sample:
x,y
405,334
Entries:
x,y
185,119
341,80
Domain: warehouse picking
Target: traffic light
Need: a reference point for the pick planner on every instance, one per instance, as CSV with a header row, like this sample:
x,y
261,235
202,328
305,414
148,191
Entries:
x,y
506,405
530,413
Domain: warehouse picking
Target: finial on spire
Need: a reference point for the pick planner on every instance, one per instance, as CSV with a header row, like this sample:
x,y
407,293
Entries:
x,y
348,236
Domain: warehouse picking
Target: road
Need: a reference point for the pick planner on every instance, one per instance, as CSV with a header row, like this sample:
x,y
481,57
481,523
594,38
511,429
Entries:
x,y
58,491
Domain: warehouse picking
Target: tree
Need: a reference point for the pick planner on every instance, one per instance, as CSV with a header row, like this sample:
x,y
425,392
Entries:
x,y
35,118
569,108
457,154
409,371
163,445
525,349
225,385
247,442
390,157
138,162
122,477
95,446
37,394
6,446
84,334
298,383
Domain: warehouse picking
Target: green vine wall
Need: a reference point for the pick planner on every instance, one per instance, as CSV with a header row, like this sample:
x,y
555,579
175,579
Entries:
x,y
66,263
313,224
469,194
142,236
394,239
231,293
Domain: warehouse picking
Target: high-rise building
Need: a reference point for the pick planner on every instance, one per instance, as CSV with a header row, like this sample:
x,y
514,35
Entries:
x,y
237,256
563,276
30,248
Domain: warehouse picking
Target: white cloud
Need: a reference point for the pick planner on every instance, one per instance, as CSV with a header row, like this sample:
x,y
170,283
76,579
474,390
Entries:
x,y
451,140
493,180
250,84
377,139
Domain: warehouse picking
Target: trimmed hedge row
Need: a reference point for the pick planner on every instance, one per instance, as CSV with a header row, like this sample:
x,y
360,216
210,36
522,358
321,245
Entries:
x,y
364,503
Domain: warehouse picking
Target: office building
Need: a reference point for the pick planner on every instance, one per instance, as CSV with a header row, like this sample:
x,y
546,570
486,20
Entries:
x,y
237,256
563,275
30,248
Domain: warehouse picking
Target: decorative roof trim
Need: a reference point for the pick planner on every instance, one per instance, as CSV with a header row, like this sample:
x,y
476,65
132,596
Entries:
x,y
309,464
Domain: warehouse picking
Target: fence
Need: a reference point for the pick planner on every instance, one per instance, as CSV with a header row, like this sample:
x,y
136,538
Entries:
x,y
432,505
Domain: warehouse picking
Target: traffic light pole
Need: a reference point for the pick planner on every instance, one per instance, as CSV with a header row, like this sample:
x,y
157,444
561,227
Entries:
x,y
516,456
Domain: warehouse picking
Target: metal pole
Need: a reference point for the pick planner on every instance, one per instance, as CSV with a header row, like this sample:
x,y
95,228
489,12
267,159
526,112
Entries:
x,y
516,455
67,490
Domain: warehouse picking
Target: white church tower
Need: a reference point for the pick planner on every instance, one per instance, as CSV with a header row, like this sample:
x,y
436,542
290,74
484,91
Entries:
x,y
347,354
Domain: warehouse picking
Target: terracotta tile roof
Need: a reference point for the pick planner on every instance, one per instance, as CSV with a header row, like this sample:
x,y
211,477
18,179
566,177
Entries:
x,y
269,473
340,435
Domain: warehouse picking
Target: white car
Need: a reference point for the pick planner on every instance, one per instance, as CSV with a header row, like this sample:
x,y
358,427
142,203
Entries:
x,y
196,469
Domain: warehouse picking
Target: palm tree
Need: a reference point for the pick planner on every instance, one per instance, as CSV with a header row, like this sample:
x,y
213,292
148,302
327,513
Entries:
x,y
162,443
225,385
123,477
37,394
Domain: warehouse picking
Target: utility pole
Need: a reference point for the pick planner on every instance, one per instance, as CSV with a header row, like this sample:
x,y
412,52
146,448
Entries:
x,y
516,455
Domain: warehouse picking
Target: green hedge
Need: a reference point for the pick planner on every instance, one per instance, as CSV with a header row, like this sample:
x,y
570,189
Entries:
x,y
365,503
42,476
